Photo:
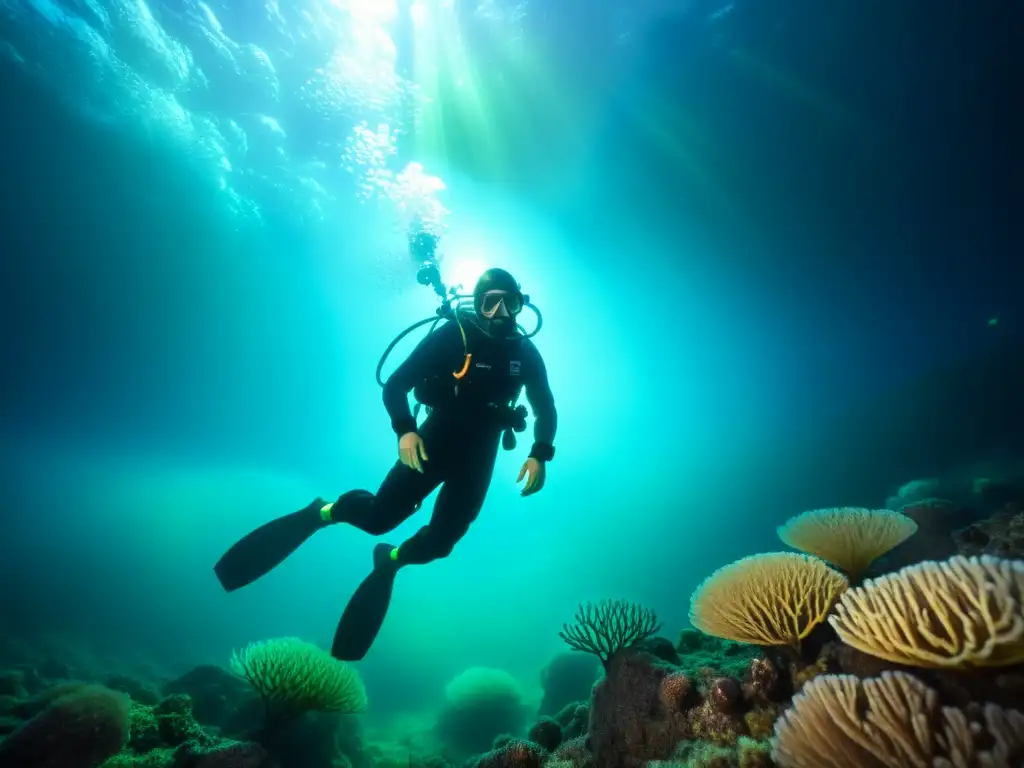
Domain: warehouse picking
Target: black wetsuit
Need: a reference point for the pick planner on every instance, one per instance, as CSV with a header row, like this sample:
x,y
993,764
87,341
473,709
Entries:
x,y
461,435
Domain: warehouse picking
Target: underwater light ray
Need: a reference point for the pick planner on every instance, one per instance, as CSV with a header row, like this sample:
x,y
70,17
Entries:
x,y
531,79
685,144
816,100
525,94
429,131
468,98
441,68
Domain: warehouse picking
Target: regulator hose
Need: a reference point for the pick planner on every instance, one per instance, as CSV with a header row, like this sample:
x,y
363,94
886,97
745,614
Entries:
x,y
444,312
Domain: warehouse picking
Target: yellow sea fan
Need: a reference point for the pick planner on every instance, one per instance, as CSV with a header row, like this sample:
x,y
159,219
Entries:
x,y
840,721
848,537
775,598
962,612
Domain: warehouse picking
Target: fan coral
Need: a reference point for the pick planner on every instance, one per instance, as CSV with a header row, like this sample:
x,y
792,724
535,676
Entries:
x,y
958,613
609,627
840,721
848,537
775,598
293,676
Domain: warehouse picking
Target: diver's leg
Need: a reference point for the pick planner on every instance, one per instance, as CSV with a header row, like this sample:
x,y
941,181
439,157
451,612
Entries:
x,y
263,549
458,504
398,497
462,495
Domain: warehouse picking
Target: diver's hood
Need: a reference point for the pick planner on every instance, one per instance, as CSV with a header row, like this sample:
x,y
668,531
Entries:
x,y
503,324
494,280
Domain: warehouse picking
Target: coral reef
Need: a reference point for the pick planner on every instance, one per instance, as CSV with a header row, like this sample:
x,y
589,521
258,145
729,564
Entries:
x,y
936,520
698,653
292,676
787,665
516,753
961,612
92,723
609,627
775,598
480,704
566,679
547,733
645,708
49,721
850,538
1001,535
220,699
938,642
900,723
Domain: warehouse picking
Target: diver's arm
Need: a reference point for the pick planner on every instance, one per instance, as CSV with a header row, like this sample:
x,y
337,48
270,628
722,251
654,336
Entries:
x,y
427,359
542,401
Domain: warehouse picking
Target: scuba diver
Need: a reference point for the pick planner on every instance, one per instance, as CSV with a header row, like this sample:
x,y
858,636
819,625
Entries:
x,y
468,372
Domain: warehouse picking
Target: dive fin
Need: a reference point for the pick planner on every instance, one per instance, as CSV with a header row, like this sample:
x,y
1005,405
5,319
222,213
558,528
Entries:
x,y
364,615
262,550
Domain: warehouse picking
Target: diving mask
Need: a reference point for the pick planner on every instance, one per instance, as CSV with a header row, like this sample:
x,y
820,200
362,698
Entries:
x,y
499,303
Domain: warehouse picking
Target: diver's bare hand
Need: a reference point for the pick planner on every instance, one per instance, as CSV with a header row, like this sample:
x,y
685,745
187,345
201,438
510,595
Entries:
x,y
411,451
534,472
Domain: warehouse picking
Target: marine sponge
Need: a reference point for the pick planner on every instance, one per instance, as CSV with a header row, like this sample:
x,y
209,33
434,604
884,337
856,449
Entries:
x,y
775,598
848,537
962,612
673,690
609,627
293,676
480,703
627,723
840,721
78,730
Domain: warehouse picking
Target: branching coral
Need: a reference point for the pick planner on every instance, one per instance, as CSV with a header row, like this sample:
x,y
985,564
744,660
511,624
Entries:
x,y
608,627
840,721
848,537
963,612
767,599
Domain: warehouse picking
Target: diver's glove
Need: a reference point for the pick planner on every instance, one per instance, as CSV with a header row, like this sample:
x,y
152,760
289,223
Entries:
x,y
411,451
534,472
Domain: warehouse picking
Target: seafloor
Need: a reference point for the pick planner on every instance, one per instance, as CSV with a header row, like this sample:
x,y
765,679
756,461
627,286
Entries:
x,y
850,654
